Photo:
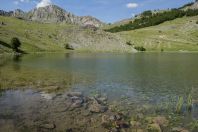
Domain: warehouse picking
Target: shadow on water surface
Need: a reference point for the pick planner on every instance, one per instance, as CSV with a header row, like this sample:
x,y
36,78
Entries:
x,y
17,59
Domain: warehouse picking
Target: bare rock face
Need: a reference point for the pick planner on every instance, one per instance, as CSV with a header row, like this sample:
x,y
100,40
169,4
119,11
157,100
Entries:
x,y
19,13
195,5
89,20
55,14
50,14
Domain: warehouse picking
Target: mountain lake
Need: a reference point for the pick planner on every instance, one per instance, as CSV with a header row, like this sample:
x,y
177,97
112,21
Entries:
x,y
98,92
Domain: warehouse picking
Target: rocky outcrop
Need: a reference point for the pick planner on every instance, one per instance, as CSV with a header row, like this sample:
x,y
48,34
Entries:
x,y
194,6
19,14
51,14
89,20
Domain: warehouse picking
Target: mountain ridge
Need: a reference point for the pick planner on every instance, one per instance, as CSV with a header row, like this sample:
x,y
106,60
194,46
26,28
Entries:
x,y
53,14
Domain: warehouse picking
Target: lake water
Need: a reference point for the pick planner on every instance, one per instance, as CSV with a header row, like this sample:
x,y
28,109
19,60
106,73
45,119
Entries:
x,y
34,88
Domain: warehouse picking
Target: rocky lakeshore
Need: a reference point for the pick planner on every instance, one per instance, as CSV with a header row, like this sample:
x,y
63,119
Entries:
x,y
97,92
73,111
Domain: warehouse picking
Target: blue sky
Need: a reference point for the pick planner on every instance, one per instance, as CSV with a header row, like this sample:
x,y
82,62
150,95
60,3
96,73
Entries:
x,y
105,10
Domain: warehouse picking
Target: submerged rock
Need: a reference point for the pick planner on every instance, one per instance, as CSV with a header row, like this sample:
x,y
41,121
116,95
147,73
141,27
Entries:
x,y
139,130
122,124
69,130
48,126
135,124
115,117
161,121
114,130
179,129
139,116
72,94
102,100
118,116
154,128
76,102
105,118
95,107
112,118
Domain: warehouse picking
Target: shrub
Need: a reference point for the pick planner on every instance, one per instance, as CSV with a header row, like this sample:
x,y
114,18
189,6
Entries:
x,y
129,43
2,23
15,43
69,47
140,48
49,36
147,13
197,22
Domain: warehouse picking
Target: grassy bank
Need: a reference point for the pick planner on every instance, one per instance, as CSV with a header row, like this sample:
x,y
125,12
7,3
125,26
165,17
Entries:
x,y
177,35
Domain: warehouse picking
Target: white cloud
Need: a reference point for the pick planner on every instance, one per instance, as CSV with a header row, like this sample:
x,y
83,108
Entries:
x,y
44,3
27,1
17,2
132,5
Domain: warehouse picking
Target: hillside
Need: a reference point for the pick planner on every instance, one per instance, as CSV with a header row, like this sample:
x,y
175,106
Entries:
x,y
152,18
177,35
40,37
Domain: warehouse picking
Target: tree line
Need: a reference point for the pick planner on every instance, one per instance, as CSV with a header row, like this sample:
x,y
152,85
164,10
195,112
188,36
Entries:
x,y
148,18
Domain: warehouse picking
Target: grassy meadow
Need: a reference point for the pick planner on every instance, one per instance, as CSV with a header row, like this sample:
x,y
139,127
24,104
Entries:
x,y
177,35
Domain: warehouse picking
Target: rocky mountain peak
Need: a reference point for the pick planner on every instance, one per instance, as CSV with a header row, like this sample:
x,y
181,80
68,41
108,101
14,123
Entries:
x,y
18,13
48,14
53,14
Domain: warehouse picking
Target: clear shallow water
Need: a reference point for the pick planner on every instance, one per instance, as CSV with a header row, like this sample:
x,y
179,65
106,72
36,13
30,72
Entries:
x,y
128,80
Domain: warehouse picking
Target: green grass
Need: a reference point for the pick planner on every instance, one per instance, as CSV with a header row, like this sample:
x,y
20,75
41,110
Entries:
x,y
179,105
40,37
178,35
34,36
